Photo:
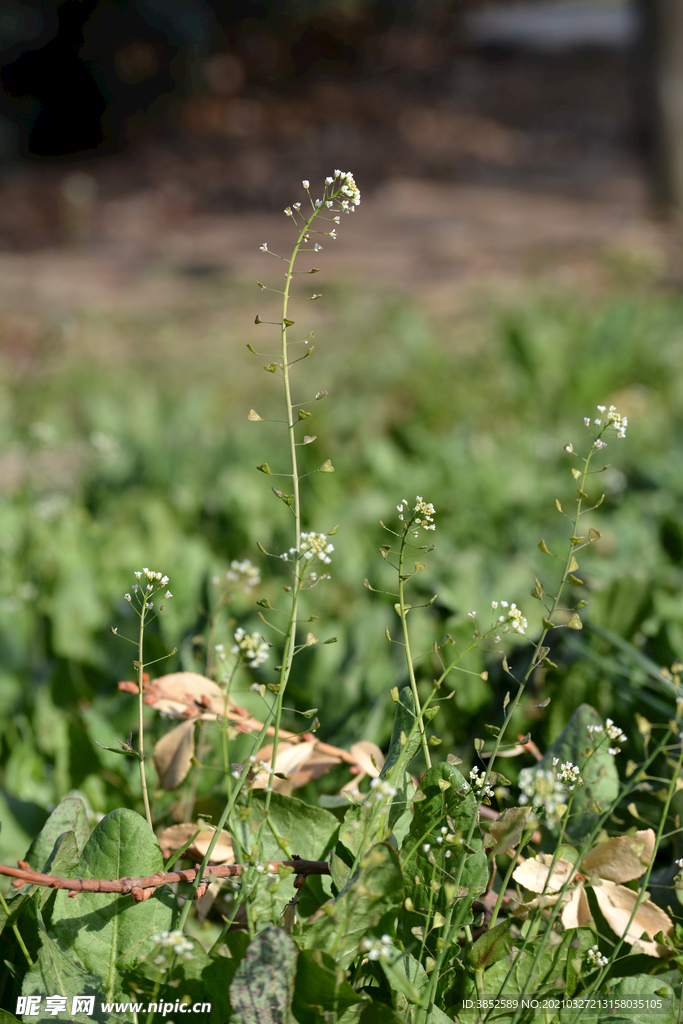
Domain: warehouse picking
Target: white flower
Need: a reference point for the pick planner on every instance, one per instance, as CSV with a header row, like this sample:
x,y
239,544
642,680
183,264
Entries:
x,y
569,774
512,619
542,788
479,785
128,597
264,247
381,788
594,958
251,646
244,574
376,948
306,183
316,545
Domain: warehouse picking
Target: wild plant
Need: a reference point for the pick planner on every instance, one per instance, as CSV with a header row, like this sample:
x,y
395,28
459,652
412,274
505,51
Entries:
x,y
392,899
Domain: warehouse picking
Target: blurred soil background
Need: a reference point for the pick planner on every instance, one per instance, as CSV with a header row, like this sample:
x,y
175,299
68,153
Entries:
x,y
490,143
513,263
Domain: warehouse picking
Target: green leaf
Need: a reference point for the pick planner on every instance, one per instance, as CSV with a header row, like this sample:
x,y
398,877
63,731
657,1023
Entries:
x,y
380,1013
374,890
109,932
320,987
57,972
600,777
490,947
8,1018
262,988
580,943
407,977
642,987
293,829
68,816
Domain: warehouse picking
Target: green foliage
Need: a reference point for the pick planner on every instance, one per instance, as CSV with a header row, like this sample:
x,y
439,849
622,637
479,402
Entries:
x,y
108,933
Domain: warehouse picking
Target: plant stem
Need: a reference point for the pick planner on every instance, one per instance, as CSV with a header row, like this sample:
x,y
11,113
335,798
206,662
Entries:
x,y
451,927
409,658
17,933
141,721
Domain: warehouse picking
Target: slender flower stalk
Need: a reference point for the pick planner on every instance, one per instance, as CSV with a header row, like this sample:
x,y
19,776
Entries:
x,y
340,195
607,424
148,589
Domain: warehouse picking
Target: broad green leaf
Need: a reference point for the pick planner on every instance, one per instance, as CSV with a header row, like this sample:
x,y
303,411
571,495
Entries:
x,y
432,861
375,889
110,932
263,985
320,987
647,988
513,975
493,945
406,976
57,972
600,777
8,1018
293,829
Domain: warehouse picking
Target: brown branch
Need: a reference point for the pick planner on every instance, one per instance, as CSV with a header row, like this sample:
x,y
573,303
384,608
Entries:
x,y
142,888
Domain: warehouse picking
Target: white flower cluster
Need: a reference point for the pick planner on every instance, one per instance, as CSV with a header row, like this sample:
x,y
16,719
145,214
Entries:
x,y
344,184
512,618
421,515
542,788
376,948
613,732
316,545
569,774
479,784
173,944
244,574
251,646
381,789
313,545
594,958
612,419
147,583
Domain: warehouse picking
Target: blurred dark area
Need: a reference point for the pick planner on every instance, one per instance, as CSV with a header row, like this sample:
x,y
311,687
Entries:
x,y
218,106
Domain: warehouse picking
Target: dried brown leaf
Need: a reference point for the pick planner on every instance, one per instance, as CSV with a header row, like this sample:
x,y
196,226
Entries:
x,y
621,859
534,872
177,835
576,911
173,754
617,902
369,757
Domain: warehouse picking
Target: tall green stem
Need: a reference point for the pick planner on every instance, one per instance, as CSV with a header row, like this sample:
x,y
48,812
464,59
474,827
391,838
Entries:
x,y
409,657
141,720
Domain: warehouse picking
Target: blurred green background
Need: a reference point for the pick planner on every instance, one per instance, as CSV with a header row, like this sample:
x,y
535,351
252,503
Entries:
x,y
125,443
